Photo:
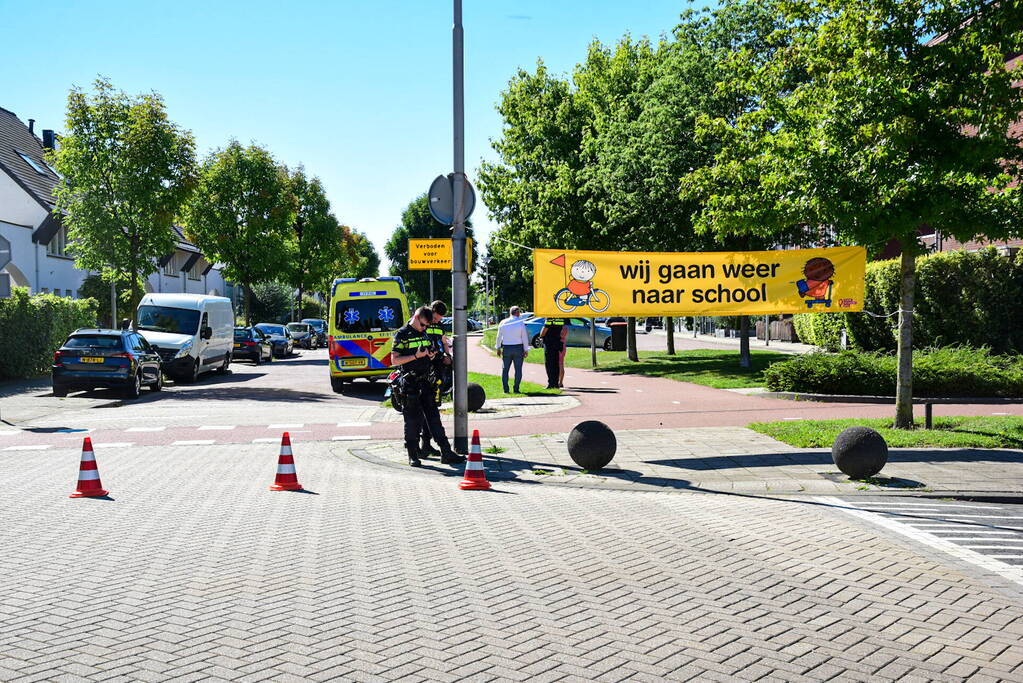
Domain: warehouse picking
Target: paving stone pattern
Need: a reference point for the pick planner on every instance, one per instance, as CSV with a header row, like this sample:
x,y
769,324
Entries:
x,y
197,572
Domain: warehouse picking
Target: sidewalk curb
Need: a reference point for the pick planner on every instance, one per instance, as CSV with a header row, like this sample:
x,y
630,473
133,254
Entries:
x,y
658,485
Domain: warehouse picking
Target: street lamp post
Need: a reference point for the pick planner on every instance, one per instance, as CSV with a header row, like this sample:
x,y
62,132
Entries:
x,y
459,284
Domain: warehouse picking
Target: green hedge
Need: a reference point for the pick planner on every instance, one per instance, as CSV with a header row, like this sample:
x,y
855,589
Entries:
x,y
33,327
947,372
968,298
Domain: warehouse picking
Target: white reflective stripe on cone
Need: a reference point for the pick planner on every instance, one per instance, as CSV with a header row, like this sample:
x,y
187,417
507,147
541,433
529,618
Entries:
x,y
286,450
88,456
88,475
473,465
285,469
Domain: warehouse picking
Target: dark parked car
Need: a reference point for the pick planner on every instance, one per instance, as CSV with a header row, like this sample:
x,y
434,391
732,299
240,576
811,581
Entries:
x,y
251,344
93,358
578,333
319,331
302,334
279,337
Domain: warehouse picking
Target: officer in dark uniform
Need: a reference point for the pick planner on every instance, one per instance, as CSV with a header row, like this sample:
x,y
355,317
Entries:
x,y
441,367
553,344
413,355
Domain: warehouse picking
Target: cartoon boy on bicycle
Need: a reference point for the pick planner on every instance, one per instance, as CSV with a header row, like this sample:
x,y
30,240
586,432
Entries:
x,y
580,290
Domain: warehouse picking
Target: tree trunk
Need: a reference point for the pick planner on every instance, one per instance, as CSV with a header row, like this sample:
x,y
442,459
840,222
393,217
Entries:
x,y
744,360
248,304
904,385
669,328
299,303
631,340
136,295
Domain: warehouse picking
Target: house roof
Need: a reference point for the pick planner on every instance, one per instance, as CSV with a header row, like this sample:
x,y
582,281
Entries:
x,y
14,138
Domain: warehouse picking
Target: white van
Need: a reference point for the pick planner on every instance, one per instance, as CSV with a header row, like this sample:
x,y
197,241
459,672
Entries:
x,y
193,333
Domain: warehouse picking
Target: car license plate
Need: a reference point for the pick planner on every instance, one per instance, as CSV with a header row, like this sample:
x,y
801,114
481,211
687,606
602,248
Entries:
x,y
237,346
88,359
353,362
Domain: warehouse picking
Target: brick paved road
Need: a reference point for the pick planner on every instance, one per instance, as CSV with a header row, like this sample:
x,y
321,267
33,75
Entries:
x,y
196,571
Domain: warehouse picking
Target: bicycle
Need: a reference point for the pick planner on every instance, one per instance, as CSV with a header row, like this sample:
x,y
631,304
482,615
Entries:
x,y
598,300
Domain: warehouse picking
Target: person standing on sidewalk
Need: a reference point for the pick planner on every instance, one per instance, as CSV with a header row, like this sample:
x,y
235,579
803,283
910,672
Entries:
x,y
412,353
512,346
441,368
554,335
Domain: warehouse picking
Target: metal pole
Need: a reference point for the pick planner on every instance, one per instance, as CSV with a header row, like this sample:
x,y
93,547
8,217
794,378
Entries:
x,y
431,286
767,330
593,342
459,284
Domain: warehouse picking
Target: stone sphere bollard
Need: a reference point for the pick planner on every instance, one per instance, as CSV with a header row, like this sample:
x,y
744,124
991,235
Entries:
x,y
859,452
592,444
475,396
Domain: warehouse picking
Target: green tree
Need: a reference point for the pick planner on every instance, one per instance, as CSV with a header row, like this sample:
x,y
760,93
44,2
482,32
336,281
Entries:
x,y
418,223
271,302
241,215
887,131
320,241
125,171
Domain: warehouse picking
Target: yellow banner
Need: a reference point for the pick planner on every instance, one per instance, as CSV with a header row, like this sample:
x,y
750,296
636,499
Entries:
x,y
606,283
434,254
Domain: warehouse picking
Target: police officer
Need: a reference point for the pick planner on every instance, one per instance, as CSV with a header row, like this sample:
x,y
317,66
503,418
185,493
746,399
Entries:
x,y
440,343
553,335
413,355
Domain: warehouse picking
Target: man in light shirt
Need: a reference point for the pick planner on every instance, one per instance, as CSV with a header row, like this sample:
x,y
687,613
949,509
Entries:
x,y
512,345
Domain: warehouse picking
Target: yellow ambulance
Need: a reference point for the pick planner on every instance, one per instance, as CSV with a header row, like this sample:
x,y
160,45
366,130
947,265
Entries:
x,y
364,315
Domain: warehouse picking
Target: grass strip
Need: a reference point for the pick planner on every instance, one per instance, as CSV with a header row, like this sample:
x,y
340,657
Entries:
x,y
949,432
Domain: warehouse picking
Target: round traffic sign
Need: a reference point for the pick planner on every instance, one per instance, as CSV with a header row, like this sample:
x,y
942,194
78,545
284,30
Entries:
x,y
442,204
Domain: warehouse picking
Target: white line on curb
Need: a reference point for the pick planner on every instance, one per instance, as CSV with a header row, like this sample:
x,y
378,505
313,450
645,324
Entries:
x,y
287,426
117,444
200,442
145,429
354,424
28,448
209,428
357,437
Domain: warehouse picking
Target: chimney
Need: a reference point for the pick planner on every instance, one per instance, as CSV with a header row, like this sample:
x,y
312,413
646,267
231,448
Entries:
x,y
48,139
32,126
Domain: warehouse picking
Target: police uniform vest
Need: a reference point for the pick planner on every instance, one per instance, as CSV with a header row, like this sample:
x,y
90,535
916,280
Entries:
x,y
554,327
435,332
407,341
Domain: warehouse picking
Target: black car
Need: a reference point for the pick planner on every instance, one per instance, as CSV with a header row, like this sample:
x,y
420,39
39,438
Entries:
x,y
279,337
319,331
93,358
250,343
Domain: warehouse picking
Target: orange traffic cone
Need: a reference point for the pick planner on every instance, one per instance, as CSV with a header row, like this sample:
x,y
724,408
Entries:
x,y
475,476
286,479
89,485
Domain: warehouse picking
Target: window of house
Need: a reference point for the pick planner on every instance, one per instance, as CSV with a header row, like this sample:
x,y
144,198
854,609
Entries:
x,y
68,294
170,268
58,244
36,166
194,273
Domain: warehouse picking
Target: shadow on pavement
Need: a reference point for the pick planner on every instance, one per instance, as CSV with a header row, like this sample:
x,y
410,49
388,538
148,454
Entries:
x,y
901,455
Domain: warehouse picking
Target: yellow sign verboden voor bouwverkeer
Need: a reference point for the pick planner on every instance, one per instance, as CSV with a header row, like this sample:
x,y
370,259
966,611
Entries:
x,y
606,283
434,254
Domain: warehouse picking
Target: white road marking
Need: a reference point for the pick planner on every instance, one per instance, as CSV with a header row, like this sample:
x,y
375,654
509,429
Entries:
x,y
207,428
993,547
1007,557
968,517
792,418
931,505
639,391
287,426
354,424
145,429
28,448
999,413
1010,572
969,531
200,442
358,437
983,538
116,444
9,432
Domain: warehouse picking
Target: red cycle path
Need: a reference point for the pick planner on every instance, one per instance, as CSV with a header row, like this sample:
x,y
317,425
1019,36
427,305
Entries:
x,y
637,402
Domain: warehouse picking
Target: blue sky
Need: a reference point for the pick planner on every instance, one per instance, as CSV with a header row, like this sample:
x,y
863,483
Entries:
x,y
358,92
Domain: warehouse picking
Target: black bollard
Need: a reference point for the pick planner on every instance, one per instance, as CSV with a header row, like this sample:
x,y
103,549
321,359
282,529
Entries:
x,y
860,452
592,445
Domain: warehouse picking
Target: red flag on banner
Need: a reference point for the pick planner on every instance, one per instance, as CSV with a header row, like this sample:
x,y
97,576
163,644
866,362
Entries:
x,y
560,261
